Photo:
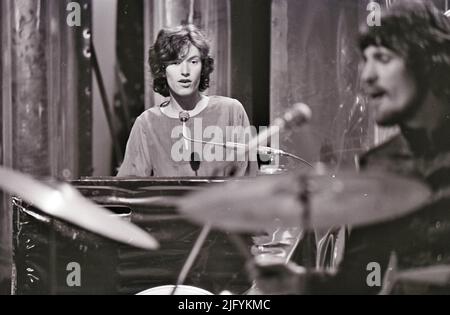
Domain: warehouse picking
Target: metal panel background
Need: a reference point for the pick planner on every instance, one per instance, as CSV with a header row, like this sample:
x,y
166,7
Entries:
x,y
46,95
315,61
47,89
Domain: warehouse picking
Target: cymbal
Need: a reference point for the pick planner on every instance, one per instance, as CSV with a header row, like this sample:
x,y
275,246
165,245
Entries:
x,y
66,203
347,198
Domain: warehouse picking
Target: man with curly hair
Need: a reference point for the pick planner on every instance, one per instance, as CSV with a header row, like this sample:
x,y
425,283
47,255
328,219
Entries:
x,y
181,66
406,77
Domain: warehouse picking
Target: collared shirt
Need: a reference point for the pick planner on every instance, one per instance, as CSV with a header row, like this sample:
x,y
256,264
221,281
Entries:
x,y
156,146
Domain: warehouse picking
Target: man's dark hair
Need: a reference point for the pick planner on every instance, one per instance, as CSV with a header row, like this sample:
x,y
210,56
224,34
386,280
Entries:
x,y
419,33
171,46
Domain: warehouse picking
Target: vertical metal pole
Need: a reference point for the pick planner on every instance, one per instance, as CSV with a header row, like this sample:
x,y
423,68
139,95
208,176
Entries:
x,y
6,148
81,73
69,91
149,16
30,111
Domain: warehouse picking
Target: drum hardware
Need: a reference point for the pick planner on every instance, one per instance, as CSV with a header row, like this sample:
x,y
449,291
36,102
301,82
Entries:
x,y
192,256
436,275
330,249
175,290
314,201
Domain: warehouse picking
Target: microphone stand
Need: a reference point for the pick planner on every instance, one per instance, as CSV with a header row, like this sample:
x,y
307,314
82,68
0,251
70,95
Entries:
x,y
246,147
295,157
192,256
305,220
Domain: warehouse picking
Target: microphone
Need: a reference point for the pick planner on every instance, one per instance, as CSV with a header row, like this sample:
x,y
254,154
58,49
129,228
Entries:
x,y
298,115
184,117
195,162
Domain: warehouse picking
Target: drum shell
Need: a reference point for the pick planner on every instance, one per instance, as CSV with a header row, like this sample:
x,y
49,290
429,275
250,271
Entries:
x,y
181,290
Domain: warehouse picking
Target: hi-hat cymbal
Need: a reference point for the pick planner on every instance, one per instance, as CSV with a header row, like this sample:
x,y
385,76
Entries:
x,y
66,203
343,199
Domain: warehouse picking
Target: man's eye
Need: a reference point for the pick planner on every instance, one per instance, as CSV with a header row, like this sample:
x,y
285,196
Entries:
x,y
194,62
384,58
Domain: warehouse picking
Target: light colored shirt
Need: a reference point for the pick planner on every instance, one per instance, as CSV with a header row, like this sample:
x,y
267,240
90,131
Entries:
x,y
156,146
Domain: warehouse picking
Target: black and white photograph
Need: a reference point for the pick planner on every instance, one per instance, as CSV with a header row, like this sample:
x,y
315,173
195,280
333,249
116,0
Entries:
x,y
242,149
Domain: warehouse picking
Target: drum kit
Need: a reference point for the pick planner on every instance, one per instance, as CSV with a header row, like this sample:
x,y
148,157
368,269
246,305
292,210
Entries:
x,y
299,200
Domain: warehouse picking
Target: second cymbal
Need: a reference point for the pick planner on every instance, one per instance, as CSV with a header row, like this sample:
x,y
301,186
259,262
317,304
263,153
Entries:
x,y
346,198
66,203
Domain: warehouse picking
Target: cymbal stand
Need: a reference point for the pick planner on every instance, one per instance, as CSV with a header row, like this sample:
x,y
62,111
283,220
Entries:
x,y
305,221
192,256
